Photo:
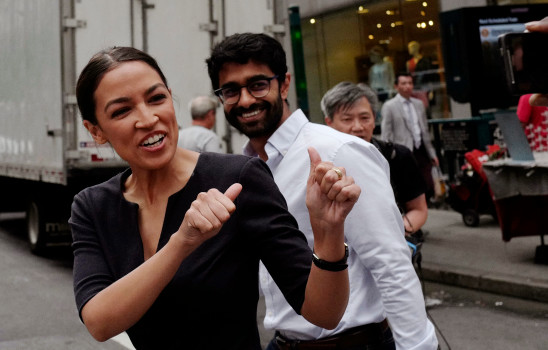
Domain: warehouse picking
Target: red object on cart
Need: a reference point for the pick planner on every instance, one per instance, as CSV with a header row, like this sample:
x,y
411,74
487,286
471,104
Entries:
x,y
476,158
472,196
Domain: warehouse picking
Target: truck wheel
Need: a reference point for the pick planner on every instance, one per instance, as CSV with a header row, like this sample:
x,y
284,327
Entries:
x,y
37,235
470,218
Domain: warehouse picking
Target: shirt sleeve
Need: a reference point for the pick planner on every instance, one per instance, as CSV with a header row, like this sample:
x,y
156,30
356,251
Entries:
x,y
90,269
281,247
386,123
374,229
425,132
524,109
406,176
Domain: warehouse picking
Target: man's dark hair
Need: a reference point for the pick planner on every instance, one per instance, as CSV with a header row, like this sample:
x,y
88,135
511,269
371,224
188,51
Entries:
x,y
403,74
241,48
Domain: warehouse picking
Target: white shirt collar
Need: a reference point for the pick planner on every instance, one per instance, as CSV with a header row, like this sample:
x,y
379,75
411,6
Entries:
x,y
403,99
282,138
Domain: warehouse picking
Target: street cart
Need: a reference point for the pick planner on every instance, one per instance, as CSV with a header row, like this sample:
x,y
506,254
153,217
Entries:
x,y
520,193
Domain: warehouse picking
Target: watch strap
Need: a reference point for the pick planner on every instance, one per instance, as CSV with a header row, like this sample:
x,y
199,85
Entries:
x,y
332,266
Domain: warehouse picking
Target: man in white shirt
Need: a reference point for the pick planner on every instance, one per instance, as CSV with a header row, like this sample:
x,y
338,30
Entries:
x,y
199,137
249,74
404,122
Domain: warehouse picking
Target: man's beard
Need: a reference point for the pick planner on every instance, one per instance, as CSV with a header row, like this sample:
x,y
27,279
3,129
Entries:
x,y
259,128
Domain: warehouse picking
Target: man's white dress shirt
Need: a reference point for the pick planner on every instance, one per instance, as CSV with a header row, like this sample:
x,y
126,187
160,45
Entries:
x,y
383,282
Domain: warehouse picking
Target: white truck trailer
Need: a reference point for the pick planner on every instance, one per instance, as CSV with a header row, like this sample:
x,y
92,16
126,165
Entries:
x,y
46,156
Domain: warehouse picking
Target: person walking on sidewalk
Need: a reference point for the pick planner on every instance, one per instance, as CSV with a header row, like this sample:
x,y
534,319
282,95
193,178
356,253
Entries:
x,y
386,308
404,122
351,108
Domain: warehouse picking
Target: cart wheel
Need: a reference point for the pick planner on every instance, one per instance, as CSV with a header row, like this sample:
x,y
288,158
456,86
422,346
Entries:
x,y
470,218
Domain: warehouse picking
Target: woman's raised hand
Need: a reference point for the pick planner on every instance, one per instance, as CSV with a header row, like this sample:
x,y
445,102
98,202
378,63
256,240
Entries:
x,y
208,213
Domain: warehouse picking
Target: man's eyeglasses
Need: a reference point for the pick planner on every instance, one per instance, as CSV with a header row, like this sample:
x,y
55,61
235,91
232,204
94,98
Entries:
x,y
257,88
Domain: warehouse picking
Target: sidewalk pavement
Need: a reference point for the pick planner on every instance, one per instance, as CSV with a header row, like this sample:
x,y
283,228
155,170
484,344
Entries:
x,y
478,258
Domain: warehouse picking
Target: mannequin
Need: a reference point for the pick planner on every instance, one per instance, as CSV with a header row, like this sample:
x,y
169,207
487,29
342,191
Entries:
x,y
422,68
381,73
414,48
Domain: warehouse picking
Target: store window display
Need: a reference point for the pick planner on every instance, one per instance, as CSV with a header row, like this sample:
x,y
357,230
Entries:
x,y
421,67
375,39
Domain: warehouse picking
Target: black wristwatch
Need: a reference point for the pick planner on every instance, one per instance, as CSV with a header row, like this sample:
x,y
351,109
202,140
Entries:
x,y
332,266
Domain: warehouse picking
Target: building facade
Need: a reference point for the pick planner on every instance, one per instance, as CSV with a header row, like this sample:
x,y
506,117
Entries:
x,y
371,41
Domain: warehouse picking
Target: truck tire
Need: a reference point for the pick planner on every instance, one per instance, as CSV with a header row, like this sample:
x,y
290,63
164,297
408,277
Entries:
x,y
37,236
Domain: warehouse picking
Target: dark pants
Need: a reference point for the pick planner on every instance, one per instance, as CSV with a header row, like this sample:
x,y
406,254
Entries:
x,y
387,344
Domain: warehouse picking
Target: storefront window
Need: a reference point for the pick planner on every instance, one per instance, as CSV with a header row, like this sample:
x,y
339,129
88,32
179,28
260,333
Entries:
x,y
373,43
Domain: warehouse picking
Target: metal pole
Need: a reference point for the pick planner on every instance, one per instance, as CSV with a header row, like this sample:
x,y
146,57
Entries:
x,y
144,7
131,23
227,138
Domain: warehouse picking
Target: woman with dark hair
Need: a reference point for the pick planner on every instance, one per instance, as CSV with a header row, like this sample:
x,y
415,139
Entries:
x,y
169,249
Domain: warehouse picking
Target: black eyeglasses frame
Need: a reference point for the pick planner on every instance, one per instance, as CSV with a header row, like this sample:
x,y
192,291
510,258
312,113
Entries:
x,y
219,92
